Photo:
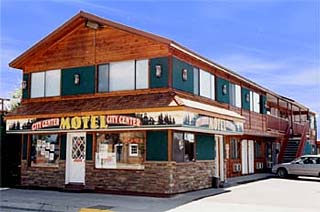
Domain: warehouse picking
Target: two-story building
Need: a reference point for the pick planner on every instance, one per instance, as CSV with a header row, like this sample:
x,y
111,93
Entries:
x,y
110,108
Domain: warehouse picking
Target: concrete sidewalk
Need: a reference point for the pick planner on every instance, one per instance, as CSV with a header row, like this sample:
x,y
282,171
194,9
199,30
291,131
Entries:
x,y
49,201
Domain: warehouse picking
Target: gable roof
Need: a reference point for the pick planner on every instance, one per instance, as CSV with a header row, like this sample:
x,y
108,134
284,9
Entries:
x,y
82,17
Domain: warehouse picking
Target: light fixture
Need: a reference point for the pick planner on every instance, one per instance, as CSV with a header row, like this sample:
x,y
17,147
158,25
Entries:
x,y
224,89
247,97
76,79
92,25
24,84
184,74
158,71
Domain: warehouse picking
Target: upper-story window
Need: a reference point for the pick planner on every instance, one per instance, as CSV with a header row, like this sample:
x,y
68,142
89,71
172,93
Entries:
x,y
207,84
125,75
254,102
235,95
45,84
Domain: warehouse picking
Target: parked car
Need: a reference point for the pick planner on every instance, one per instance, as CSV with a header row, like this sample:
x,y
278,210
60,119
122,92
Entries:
x,y
307,165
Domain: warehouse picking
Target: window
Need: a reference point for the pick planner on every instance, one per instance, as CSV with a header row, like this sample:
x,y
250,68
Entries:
x,y
235,95
254,102
103,74
207,84
45,150
126,75
235,147
196,81
120,150
133,150
142,70
37,84
45,83
183,147
258,149
122,76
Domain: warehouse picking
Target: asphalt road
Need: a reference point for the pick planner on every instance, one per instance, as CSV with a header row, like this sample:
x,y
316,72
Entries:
x,y
264,196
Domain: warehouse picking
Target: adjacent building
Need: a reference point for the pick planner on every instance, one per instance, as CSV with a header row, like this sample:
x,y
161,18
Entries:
x,y
110,108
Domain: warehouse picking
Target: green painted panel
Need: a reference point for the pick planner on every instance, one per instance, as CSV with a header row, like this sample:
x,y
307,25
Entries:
x,y
89,147
25,147
205,147
221,86
87,81
263,101
157,146
63,146
25,92
159,82
178,82
244,103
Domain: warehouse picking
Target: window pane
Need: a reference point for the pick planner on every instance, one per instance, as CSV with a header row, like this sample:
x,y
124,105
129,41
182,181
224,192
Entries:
x,y
205,84
120,150
213,87
142,70
232,95
238,95
45,151
37,84
196,81
53,83
122,76
183,147
251,101
256,102
103,72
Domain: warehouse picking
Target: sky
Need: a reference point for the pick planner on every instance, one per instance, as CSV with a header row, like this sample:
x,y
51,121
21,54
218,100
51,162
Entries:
x,y
275,43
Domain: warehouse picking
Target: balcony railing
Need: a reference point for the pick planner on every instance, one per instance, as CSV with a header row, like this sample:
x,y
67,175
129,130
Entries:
x,y
277,123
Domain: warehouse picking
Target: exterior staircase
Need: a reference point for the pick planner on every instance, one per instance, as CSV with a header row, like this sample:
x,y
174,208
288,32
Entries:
x,y
291,150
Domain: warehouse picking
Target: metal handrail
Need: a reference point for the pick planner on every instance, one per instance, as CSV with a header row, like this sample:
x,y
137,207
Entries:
x,y
303,140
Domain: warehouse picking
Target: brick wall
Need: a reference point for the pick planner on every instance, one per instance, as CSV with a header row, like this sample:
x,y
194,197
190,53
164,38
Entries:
x,y
156,178
43,177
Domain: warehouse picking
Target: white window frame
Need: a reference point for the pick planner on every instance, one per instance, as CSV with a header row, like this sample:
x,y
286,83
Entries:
x,y
142,83
130,150
117,79
37,90
238,95
51,81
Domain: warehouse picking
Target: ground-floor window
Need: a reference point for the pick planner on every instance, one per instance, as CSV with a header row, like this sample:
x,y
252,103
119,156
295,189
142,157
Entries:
x,y
123,150
258,149
45,150
183,147
234,149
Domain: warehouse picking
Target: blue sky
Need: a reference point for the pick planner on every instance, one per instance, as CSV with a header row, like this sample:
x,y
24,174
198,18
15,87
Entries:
x,y
275,43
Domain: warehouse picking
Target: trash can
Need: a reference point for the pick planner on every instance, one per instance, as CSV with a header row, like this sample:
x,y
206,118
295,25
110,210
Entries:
x,y
215,182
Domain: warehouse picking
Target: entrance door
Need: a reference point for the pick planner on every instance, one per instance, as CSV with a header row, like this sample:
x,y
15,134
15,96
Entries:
x,y
220,158
251,156
244,156
76,154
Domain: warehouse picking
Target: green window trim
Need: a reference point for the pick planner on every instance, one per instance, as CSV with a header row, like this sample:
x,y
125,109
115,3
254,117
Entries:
x,y
245,98
205,147
222,90
157,146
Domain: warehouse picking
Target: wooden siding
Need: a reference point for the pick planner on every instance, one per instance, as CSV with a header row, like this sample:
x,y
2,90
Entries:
x,y
85,46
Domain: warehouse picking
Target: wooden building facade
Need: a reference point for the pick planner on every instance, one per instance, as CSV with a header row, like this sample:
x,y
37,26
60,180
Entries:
x,y
111,108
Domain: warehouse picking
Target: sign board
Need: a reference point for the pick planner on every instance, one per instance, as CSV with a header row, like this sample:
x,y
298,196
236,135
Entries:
x,y
127,121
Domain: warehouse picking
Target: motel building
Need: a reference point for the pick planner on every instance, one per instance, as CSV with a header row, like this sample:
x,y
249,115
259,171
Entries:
x,y
109,108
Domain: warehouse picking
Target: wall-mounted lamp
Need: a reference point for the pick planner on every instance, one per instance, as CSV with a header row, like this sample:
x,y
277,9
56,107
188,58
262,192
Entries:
x,y
92,25
247,97
76,79
224,89
24,84
184,74
158,71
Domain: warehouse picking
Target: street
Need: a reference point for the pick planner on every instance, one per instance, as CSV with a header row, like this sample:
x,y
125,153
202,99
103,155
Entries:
x,y
266,195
